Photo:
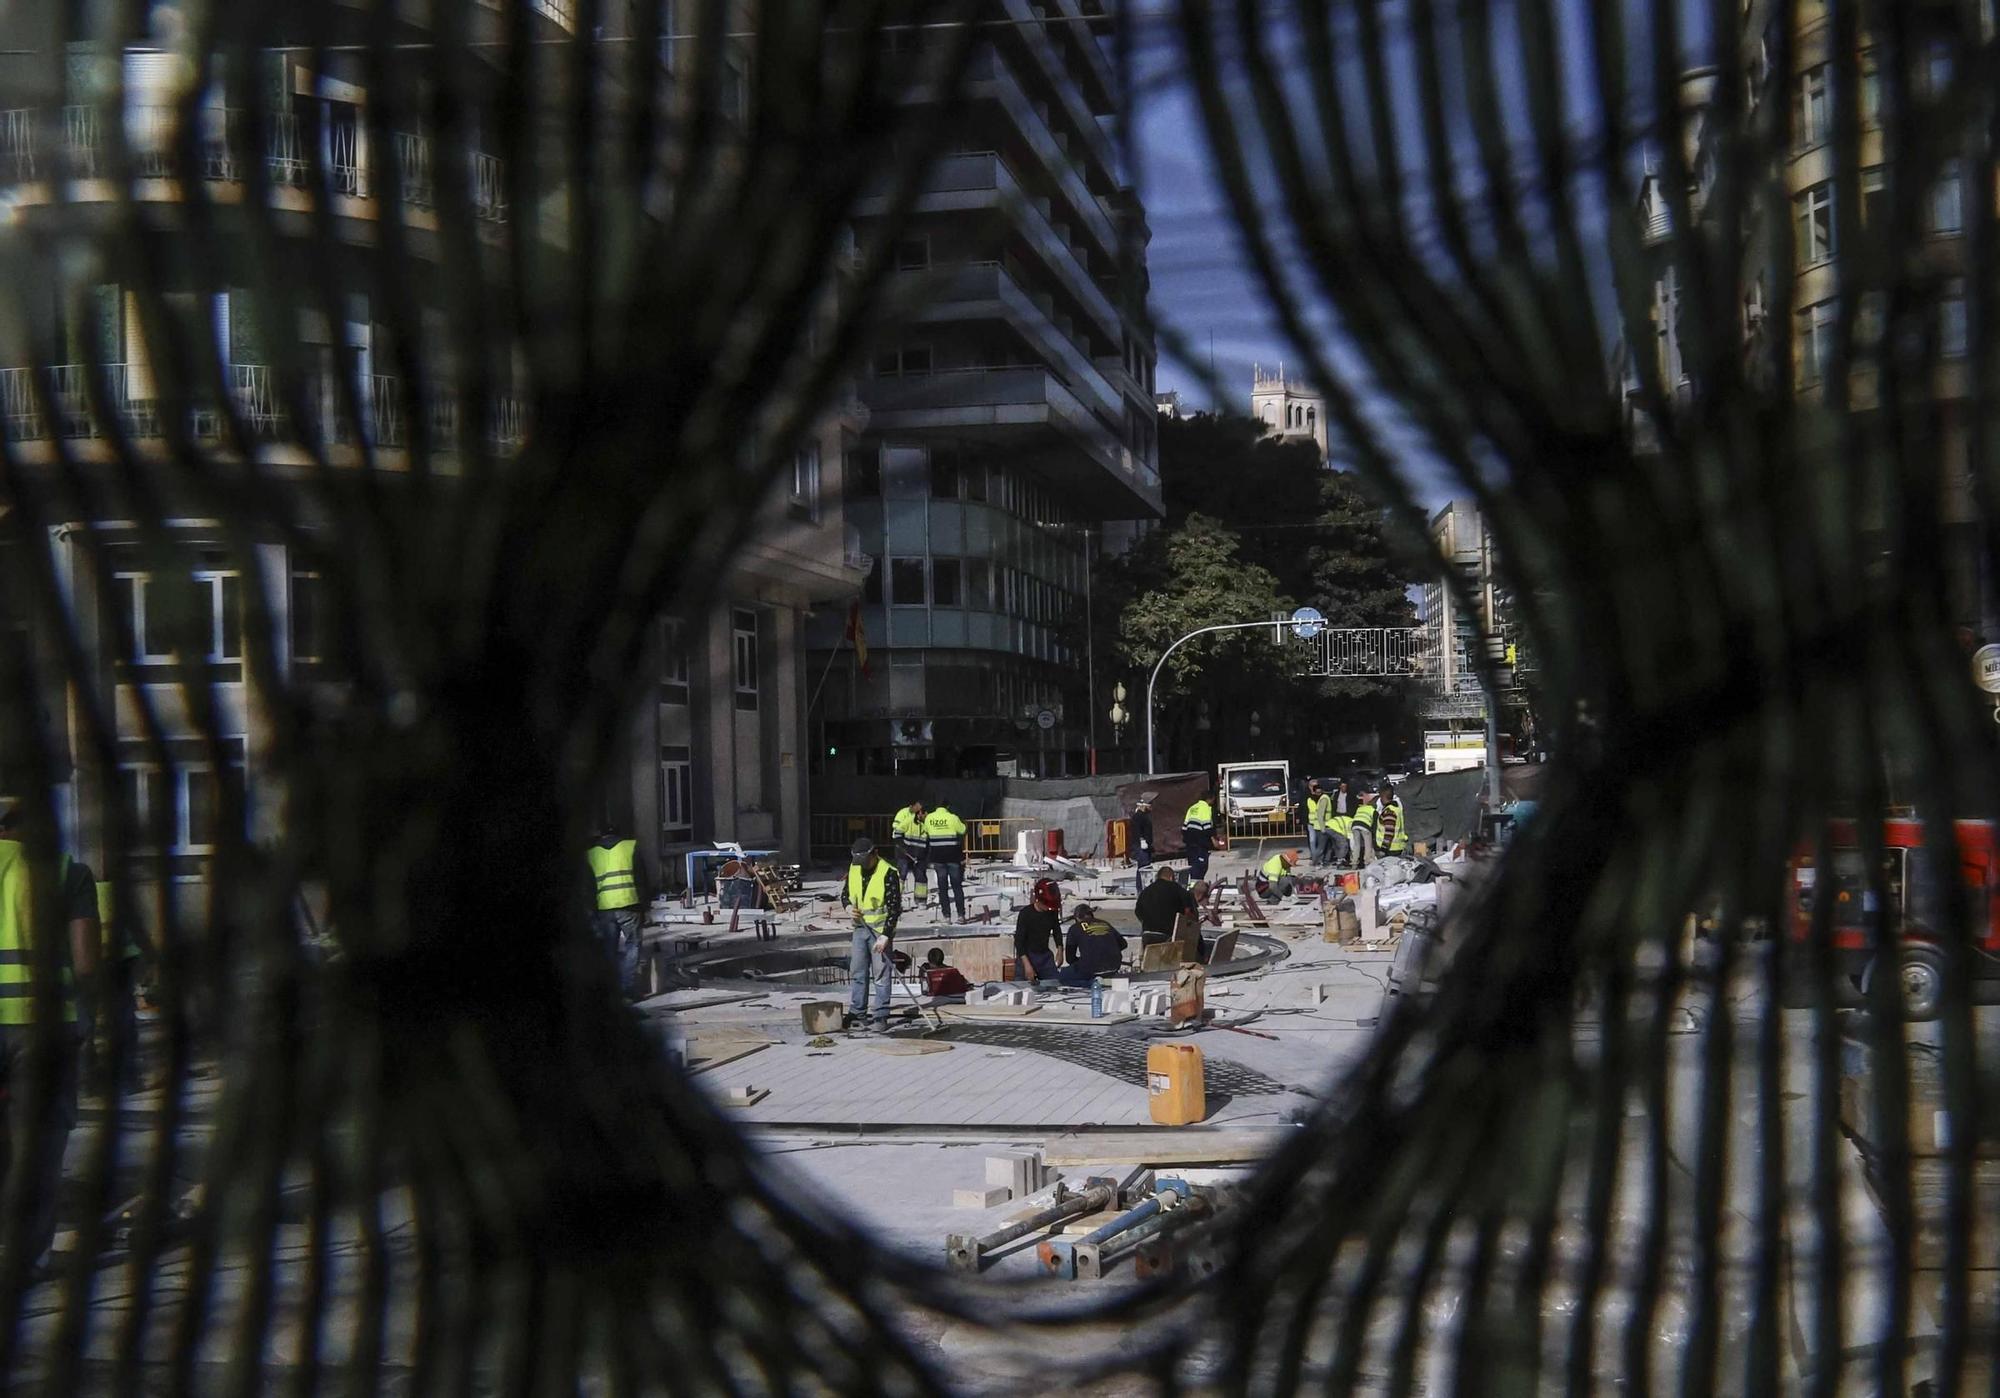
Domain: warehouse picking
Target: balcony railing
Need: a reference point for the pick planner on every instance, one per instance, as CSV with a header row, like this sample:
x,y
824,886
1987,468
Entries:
x,y
77,147
259,406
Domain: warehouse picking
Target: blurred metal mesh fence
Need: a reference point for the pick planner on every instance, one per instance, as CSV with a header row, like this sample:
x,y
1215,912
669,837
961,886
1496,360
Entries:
x,y
1713,355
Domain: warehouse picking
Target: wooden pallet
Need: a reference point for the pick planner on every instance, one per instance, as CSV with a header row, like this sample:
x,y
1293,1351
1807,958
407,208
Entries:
x,y
773,886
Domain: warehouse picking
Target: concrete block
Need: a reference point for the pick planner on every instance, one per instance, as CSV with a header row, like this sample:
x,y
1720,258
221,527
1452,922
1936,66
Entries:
x,y
984,1198
1019,1172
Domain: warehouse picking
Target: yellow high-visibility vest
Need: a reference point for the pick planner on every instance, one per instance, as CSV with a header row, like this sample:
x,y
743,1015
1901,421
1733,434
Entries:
x,y
17,991
617,883
1275,867
869,895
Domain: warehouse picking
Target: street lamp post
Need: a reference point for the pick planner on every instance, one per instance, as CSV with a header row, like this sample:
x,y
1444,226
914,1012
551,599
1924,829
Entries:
x,y
1152,757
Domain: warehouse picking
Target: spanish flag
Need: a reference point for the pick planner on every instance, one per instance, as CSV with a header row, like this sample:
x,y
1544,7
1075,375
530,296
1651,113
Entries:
x,y
857,636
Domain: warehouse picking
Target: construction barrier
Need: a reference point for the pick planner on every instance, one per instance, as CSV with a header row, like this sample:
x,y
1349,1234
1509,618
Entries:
x,y
831,836
1284,823
1118,838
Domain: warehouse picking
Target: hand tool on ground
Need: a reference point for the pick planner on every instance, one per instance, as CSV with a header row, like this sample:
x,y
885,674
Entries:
x,y
965,1252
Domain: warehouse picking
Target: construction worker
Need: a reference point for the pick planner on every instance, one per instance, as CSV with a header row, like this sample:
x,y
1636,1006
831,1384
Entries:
x,y
1363,832
1092,949
1319,812
35,1144
1035,927
1339,838
1197,831
1276,876
908,829
940,979
1142,841
1392,829
875,893
115,998
614,870
944,849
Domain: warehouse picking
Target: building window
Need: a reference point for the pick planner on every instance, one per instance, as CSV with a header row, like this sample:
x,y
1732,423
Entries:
x,y
187,800
1952,321
676,794
906,582
861,473
913,254
1814,332
131,594
1946,211
871,586
805,478
673,661
903,360
1873,184
975,480
1871,90
945,583
946,477
309,640
744,623
1814,209
216,603
978,584
1815,111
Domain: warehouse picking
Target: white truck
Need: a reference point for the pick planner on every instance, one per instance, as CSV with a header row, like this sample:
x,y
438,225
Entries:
x,y
1254,790
1453,750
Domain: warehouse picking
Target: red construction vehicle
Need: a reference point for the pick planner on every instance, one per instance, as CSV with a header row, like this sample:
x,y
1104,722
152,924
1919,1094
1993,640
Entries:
x,y
1915,914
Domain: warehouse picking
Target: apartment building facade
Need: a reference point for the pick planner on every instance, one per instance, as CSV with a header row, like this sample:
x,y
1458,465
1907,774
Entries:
x,y
718,750
1453,635
1814,187
1012,431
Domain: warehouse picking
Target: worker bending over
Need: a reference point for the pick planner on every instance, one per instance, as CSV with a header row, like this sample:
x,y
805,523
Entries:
x,y
875,894
940,979
1363,832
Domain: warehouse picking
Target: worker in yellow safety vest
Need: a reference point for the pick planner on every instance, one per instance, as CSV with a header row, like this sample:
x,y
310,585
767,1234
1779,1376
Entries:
x,y
875,894
1276,876
1392,830
1319,815
614,873
35,1143
1340,839
1198,835
1363,832
911,846
944,851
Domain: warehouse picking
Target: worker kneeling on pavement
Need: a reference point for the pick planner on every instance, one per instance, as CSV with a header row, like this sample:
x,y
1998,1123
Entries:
x,y
1275,876
876,896
1093,948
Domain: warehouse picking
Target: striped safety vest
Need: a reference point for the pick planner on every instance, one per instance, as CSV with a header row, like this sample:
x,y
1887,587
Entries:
x,y
617,884
1395,830
17,991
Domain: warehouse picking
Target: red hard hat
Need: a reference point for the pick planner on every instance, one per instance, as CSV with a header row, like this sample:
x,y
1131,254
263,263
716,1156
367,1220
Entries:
x,y
1048,895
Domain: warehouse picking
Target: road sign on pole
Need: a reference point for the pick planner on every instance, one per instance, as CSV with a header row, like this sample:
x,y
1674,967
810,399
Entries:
x,y
1986,668
1307,623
